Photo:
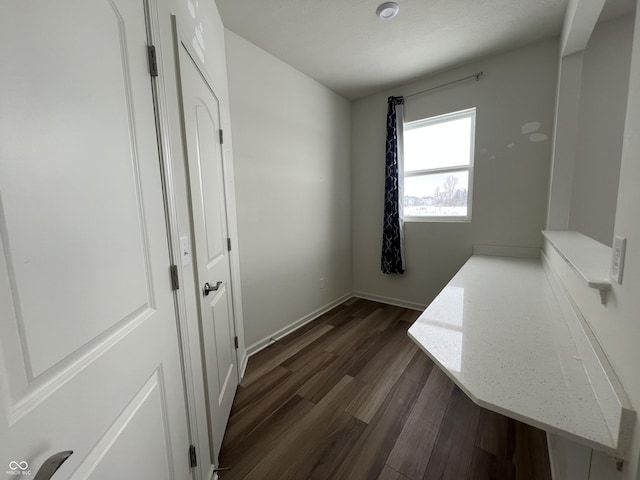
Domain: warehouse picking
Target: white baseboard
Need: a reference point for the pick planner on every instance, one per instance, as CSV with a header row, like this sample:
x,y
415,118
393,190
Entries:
x,y
391,301
265,342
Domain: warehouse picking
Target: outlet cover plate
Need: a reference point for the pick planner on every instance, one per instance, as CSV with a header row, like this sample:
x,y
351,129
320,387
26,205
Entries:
x,y
617,259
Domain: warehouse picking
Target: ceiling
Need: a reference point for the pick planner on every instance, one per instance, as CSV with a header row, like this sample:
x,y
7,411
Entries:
x,y
346,47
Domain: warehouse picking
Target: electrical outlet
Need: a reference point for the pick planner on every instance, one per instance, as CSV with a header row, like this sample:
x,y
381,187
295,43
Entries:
x,y
617,259
322,283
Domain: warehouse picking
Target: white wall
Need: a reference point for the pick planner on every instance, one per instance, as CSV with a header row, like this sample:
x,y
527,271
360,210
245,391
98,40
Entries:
x,y
565,140
291,148
603,102
617,324
510,179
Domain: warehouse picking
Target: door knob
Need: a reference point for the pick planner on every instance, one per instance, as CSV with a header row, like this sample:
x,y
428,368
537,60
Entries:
x,y
52,464
207,289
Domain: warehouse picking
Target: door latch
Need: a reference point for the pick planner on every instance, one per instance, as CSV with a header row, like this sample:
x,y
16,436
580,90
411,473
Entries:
x,y
52,464
207,289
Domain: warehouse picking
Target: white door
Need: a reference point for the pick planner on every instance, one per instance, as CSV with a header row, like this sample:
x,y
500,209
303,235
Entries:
x,y
89,357
201,114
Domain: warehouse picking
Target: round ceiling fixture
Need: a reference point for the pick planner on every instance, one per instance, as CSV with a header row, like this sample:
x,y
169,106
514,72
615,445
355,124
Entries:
x,y
388,10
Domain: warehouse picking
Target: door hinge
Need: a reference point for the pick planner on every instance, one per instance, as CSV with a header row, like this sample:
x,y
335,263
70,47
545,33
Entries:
x,y
153,60
193,460
175,283
228,244
235,341
220,134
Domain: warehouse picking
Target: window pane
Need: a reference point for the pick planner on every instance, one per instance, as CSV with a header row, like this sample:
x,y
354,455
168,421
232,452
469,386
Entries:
x,y
436,195
444,144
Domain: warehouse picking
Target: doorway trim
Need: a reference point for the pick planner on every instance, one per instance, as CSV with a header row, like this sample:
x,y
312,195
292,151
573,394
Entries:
x,y
160,104
161,110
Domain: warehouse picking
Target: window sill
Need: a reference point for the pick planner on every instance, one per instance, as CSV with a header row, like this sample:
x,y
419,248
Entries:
x,y
437,219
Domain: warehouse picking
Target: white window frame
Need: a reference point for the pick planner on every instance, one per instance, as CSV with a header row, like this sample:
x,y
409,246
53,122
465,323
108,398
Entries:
x,y
467,113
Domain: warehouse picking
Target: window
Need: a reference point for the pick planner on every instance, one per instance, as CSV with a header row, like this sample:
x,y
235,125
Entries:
x,y
438,167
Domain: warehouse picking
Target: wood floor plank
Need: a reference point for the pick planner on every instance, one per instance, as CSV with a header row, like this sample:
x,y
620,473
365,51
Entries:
x,y
393,316
493,434
336,316
366,308
243,455
336,447
301,451
511,438
317,387
412,451
383,371
362,354
245,396
348,313
395,341
256,370
366,459
351,301
419,368
380,388
530,456
355,331
264,356
452,454
304,329
300,359
410,315
389,473
379,321
263,407
486,466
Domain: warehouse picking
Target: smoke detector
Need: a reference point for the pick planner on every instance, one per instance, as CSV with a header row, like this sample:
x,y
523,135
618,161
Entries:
x,y
388,10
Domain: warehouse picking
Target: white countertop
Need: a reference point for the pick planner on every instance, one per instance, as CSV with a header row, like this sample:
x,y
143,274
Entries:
x,y
498,331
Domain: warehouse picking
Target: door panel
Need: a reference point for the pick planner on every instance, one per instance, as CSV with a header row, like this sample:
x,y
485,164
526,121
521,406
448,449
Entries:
x,y
82,170
213,202
88,337
222,348
138,433
201,113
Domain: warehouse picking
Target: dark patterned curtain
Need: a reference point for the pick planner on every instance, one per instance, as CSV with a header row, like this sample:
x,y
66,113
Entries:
x,y
392,236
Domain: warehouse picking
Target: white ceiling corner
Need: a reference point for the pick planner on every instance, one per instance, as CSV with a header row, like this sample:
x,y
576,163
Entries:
x,y
346,47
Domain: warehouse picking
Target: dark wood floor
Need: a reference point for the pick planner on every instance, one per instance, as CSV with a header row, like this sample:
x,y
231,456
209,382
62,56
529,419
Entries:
x,y
350,396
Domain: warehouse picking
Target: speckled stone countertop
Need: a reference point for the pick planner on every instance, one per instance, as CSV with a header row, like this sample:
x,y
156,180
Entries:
x,y
498,331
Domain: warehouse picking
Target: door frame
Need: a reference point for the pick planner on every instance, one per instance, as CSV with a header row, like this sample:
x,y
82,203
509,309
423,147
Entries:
x,y
163,130
160,107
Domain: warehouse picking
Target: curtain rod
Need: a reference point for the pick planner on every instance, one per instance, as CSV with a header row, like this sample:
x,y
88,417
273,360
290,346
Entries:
x,y
475,75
